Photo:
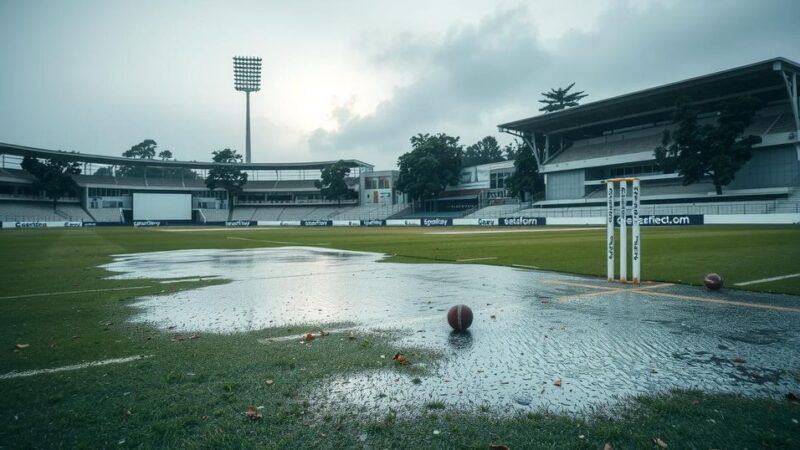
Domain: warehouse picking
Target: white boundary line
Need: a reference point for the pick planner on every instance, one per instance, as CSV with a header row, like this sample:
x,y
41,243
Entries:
x,y
30,373
525,267
45,294
767,280
476,259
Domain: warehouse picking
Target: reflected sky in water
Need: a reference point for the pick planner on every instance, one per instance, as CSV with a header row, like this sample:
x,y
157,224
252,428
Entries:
x,y
604,346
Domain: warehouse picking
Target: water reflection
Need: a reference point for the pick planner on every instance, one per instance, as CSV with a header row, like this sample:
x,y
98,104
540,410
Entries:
x,y
529,328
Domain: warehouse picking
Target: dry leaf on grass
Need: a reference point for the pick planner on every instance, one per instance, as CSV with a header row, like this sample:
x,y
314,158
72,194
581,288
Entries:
x,y
557,382
793,397
498,447
269,382
253,413
400,358
608,446
21,346
309,337
660,443
493,317
739,360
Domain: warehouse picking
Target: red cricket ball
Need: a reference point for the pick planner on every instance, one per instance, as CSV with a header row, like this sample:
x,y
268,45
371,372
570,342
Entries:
x,y
713,281
459,317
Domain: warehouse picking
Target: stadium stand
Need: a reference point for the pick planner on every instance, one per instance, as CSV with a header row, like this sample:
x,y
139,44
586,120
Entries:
x,y
73,212
107,215
40,212
214,215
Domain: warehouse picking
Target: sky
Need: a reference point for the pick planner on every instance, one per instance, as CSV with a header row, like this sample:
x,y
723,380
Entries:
x,y
346,79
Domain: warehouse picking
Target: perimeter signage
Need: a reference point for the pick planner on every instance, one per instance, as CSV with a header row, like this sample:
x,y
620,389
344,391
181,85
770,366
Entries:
x,y
316,223
436,222
521,221
146,223
665,220
241,223
373,223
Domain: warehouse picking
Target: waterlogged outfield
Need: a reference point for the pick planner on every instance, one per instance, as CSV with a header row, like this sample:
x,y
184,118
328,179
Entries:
x,y
194,392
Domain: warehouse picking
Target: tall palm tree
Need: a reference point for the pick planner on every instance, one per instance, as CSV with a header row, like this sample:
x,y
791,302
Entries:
x,y
559,98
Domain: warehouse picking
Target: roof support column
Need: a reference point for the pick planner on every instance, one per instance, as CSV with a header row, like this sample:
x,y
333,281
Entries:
x,y
790,81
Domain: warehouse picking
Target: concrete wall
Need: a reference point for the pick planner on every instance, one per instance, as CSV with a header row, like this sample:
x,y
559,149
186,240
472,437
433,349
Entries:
x,y
565,185
769,167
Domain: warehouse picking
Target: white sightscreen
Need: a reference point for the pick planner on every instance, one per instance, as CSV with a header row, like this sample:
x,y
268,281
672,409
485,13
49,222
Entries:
x,y
162,206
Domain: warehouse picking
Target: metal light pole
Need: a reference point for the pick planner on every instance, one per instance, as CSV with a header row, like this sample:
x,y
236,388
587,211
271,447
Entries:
x,y
247,79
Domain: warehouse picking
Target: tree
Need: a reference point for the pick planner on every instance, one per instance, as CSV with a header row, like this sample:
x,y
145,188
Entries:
x,y
560,98
333,184
165,155
54,176
225,175
526,178
432,165
104,172
512,149
143,150
715,150
483,152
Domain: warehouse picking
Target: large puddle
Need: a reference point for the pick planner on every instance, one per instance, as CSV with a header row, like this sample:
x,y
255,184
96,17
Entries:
x,y
530,328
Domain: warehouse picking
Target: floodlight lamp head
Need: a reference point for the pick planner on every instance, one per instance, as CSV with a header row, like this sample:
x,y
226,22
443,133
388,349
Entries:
x,y
247,73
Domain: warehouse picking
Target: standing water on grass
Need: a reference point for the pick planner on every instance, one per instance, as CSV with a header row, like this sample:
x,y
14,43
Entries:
x,y
604,342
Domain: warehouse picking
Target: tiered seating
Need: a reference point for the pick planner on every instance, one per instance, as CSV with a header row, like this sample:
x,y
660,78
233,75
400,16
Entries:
x,y
28,211
243,213
609,146
663,188
106,215
84,180
267,213
495,211
295,184
215,215
298,213
72,211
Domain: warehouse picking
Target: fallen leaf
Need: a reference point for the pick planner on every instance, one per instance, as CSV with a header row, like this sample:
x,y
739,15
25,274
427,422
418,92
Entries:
x,y
323,333
21,346
739,360
172,327
253,413
269,382
400,358
351,336
793,397
435,431
498,447
608,446
660,443
194,336
557,382
309,337
493,317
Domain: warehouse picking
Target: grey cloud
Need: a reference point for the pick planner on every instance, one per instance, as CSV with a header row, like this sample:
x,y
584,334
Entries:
x,y
479,75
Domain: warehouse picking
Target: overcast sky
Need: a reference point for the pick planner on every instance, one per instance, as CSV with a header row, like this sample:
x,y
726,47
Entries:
x,y
346,79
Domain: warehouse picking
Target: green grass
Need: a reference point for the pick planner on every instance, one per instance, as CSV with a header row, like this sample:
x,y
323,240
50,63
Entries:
x,y
193,393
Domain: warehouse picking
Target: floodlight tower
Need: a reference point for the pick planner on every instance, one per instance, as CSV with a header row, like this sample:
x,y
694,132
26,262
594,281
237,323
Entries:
x,y
247,78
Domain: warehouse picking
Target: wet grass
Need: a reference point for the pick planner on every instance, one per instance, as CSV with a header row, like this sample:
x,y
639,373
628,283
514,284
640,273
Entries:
x,y
194,392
